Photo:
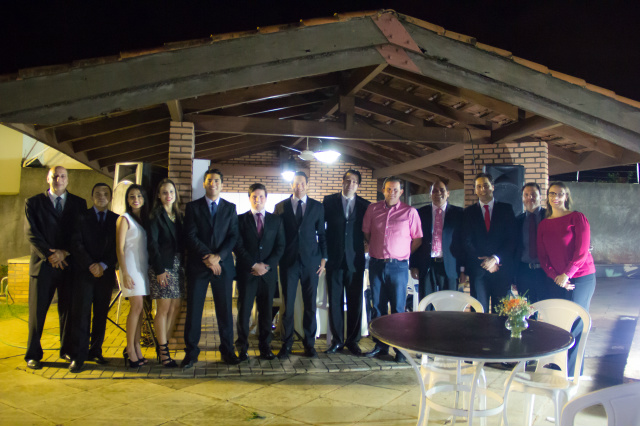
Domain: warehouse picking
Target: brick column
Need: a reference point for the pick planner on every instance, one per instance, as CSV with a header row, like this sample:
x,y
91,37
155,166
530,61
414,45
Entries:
x,y
181,149
181,152
532,155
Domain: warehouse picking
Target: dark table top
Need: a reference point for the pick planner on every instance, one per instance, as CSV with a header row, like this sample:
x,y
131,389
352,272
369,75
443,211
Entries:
x,y
468,335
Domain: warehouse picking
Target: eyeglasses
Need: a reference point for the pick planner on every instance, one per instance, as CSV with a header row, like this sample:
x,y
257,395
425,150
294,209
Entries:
x,y
556,194
483,186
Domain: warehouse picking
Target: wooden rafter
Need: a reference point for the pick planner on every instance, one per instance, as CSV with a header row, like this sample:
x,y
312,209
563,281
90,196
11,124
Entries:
x,y
437,157
121,136
522,128
128,147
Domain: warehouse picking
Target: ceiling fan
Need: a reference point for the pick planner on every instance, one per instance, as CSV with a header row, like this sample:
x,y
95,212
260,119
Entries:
x,y
324,156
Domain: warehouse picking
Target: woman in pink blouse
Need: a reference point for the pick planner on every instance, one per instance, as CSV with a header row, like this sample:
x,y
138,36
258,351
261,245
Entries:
x,y
564,238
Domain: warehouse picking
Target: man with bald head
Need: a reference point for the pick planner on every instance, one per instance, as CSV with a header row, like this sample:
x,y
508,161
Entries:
x,y
50,219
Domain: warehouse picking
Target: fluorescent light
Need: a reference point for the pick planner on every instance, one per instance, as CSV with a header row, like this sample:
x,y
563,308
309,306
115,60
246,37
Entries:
x,y
328,156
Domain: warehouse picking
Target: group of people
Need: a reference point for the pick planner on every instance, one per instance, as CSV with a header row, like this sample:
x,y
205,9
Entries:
x,y
172,257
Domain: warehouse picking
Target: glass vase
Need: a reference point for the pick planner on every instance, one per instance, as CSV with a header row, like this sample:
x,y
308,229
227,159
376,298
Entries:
x,y
516,324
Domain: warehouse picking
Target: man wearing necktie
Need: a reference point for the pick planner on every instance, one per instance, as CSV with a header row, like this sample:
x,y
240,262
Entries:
x,y
489,243
303,260
51,218
530,279
211,228
93,246
343,213
436,264
258,250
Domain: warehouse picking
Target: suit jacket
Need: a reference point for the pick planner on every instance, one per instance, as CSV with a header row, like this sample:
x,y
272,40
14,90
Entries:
x,y
251,249
451,241
45,229
519,230
500,240
165,240
205,238
92,244
336,232
306,243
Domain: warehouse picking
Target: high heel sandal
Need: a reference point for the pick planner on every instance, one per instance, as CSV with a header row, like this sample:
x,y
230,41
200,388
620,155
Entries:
x,y
163,350
132,364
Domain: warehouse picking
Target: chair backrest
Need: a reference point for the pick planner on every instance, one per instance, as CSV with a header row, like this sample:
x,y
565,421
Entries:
x,y
563,313
450,300
621,403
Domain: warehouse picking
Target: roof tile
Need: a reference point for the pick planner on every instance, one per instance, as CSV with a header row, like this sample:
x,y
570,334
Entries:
x,y
460,37
570,79
424,24
142,52
627,101
494,49
44,70
601,90
529,64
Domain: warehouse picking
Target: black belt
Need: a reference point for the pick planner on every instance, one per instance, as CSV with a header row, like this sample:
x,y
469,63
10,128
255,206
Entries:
x,y
389,260
532,265
437,259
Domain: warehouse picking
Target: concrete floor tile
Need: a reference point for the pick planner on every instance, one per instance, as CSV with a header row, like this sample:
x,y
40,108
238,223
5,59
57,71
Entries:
x,y
230,414
276,400
325,410
402,380
381,417
22,394
408,403
368,396
167,406
11,416
63,409
128,391
93,421
318,384
223,389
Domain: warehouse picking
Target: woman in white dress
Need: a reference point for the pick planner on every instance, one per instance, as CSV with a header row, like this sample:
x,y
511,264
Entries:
x,y
131,248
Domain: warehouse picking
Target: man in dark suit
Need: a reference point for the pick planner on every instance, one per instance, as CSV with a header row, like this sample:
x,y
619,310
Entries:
x,y
50,218
303,260
258,250
211,227
93,249
489,243
435,264
530,279
343,213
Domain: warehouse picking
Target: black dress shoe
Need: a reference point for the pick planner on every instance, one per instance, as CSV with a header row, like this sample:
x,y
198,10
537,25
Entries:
x,y
310,353
336,347
284,352
243,356
65,357
231,358
98,359
354,348
400,358
76,366
376,352
267,354
34,364
187,363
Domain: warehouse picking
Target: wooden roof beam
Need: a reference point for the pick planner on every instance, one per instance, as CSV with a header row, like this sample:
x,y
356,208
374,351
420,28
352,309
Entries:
x,y
121,136
269,105
175,110
326,130
245,140
437,157
128,147
148,154
522,128
227,155
565,155
414,101
592,142
390,113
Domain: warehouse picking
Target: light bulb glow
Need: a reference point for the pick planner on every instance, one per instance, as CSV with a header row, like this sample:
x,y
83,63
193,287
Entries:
x,y
328,156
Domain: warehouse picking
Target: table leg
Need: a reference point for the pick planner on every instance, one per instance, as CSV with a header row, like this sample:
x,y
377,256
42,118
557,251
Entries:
x,y
518,368
423,416
474,388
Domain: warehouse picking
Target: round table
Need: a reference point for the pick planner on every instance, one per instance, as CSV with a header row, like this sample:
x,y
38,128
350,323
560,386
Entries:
x,y
466,336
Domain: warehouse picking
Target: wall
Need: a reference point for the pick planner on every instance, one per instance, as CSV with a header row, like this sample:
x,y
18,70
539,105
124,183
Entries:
x,y
14,243
614,216
11,161
324,178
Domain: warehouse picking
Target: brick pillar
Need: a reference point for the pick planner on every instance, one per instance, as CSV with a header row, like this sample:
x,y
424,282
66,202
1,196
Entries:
x,y
532,155
181,149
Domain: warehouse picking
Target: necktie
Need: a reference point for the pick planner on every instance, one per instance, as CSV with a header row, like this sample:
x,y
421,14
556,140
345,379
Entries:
x,y
487,217
436,244
101,218
299,213
214,209
533,249
259,224
59,205
346,208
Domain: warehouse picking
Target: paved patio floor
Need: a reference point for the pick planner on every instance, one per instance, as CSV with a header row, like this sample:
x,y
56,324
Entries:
x,y
332,390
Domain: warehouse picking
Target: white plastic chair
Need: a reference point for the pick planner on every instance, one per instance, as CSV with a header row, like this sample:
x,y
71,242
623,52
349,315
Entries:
x,y
559,385
442,369
411,290
621,403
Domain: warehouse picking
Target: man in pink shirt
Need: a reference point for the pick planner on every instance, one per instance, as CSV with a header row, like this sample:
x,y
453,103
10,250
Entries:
x,y
393,231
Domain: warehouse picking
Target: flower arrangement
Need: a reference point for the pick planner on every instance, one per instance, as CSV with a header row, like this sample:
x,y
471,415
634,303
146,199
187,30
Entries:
x,y
517,309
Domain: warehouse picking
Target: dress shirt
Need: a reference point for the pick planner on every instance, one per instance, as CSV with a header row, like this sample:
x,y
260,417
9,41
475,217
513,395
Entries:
x,y
295,201
209,201
526,257
490,204
391,229
347,205
434,209
54,198
255,217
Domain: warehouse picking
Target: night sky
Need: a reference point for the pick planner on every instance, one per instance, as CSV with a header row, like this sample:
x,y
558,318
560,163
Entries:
x,y
595,40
